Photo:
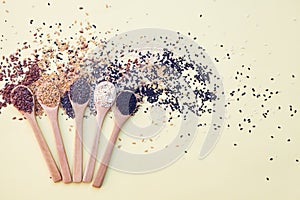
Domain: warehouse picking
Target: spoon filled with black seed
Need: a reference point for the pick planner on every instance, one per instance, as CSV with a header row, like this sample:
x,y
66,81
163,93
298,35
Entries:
x,y
125,106
79,96
23,99
104,97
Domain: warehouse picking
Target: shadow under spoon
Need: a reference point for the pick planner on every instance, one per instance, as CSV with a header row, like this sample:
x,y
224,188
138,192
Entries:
x,y
48,97
23,100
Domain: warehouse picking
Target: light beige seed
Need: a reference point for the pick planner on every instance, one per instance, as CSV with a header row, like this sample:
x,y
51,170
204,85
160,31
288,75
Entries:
x,y
48,94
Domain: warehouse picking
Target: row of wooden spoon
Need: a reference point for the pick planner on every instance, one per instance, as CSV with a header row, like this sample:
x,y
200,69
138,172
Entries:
x,y
64,173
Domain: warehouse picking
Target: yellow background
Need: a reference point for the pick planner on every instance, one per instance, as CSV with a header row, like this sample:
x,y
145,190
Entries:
x,y
261,34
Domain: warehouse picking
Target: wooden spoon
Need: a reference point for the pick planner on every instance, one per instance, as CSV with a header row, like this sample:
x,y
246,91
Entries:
x,y
89,170
79,110
79,96
54,171
62,156
119,121
104,96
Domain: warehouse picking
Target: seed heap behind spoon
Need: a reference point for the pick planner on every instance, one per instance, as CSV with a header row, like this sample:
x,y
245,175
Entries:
x,y
79,95
125,106
104,97
48,96
22,98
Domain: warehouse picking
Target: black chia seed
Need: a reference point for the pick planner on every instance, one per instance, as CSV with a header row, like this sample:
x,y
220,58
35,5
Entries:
x,y
80,91
66,104
126,102
22,99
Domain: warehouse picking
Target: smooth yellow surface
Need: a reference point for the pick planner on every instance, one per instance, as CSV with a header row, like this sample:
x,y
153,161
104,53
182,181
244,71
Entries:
x,y
262,34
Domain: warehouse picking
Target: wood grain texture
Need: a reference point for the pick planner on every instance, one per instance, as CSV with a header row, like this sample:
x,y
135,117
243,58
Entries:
x,y
79,110
53,169
90,167
119,122
60,148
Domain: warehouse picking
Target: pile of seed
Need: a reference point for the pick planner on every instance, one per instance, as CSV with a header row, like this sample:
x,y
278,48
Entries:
x,y
175,82
126,102
80,91
51,56
22,99
48,94
165,81
67,105
58,80
15,71
104,94
159,78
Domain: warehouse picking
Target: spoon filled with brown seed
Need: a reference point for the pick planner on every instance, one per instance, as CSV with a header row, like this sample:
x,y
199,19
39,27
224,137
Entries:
x,y
23,99
49,98
104,97
123,108
79,96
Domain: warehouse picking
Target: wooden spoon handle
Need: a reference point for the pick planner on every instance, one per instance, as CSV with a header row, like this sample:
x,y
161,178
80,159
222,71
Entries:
x,y
89,170
77,173
106,158
62,156
90,167
54,171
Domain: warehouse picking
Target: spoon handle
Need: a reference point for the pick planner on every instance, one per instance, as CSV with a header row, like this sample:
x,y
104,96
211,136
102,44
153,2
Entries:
x,y
106,157
62,156
54,171
77,174
89,170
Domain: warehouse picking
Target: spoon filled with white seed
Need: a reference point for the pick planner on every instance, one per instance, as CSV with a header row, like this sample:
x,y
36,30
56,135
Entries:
x,y
104,97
